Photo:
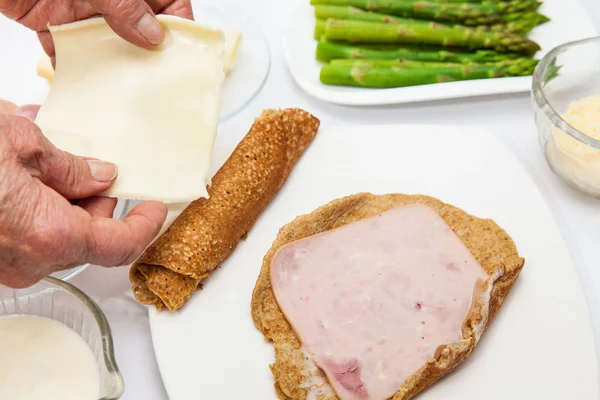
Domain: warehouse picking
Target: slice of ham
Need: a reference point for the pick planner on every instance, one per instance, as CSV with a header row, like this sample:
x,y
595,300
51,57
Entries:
x,y
372,301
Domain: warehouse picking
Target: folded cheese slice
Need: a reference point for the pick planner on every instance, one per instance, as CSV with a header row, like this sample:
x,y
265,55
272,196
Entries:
x,y
232,43
233,40
152,112
44,68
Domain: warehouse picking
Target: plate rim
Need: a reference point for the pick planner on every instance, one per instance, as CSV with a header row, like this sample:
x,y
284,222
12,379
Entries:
x,y
222,6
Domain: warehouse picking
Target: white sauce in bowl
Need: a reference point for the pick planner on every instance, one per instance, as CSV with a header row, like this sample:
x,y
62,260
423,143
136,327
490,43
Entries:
x,y
43,359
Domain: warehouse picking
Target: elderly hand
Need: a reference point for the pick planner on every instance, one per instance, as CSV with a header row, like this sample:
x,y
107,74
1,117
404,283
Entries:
x,y
43,227
133,20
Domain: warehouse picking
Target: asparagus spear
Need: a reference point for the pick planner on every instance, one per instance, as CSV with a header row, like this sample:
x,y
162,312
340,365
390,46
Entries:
x,y
350,12
474,13
401,63
397,77
430,33
520,26
484,7
470,1
493,20
323,12
327,51
319,28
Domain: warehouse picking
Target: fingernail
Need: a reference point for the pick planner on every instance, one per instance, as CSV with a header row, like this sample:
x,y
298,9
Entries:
x,y
102,171
26,112
149,28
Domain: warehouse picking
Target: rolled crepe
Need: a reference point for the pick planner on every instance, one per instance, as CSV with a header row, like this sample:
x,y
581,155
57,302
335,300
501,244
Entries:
x,y
208,230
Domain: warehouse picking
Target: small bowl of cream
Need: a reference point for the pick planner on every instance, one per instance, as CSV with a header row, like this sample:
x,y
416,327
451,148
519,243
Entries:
x,y
55,343
566,100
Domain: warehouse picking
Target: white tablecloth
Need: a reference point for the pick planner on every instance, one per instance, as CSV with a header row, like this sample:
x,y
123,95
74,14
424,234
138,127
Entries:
x,y
509,116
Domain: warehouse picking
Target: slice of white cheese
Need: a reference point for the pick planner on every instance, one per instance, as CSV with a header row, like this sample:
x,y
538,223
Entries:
x,y
233,40
232,44
44,68
154,113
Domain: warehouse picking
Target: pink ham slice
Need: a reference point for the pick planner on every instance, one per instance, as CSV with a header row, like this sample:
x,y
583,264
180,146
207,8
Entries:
x,y
373,300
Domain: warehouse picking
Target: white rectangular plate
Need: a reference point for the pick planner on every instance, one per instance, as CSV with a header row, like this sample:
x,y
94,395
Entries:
x,y
541,344
570,21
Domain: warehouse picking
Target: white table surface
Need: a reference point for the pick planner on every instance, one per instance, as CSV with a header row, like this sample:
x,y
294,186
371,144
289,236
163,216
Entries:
x,y
509,116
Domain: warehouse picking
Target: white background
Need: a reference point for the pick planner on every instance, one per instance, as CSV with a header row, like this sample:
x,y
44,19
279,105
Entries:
x,y
509,116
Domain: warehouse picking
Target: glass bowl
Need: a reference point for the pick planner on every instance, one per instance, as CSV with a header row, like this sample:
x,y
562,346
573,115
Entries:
x,y
567,74
62,302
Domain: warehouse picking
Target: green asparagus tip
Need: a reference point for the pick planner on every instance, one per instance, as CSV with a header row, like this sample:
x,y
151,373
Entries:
x,y
542,19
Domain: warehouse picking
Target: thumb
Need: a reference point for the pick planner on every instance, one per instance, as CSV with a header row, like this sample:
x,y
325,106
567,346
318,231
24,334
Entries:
x,y
72,176
76,177
133,20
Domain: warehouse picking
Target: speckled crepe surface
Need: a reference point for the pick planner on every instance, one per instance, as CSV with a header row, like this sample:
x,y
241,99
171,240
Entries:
x,y
208,230
296,376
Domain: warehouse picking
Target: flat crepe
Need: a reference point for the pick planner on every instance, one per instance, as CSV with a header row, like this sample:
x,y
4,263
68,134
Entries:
x,y
154,113
208,230
297,377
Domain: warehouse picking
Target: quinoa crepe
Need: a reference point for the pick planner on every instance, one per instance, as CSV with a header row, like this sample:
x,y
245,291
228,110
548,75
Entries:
x,y
298,377
208,230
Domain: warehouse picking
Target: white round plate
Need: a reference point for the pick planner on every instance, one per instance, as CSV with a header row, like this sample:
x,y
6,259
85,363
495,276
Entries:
x,y
21,50
254,58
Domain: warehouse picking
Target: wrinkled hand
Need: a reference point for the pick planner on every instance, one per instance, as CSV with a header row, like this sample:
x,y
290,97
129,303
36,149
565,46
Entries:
x,y
133,20
43,228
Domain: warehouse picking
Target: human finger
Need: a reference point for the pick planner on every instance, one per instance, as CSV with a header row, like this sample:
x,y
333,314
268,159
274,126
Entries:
x,y
133,20
45,38
16,9
98,207
179,8
28,111
7,107
72,176
119,242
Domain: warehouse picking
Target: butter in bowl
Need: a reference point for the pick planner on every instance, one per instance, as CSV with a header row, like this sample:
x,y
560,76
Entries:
x,y
55,344
566,100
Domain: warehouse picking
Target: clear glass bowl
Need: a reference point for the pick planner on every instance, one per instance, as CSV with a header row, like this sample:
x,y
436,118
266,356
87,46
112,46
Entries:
x,y
568,73
60,301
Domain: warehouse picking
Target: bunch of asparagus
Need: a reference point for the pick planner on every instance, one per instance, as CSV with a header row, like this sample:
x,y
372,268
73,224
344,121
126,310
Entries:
x,y
393,43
